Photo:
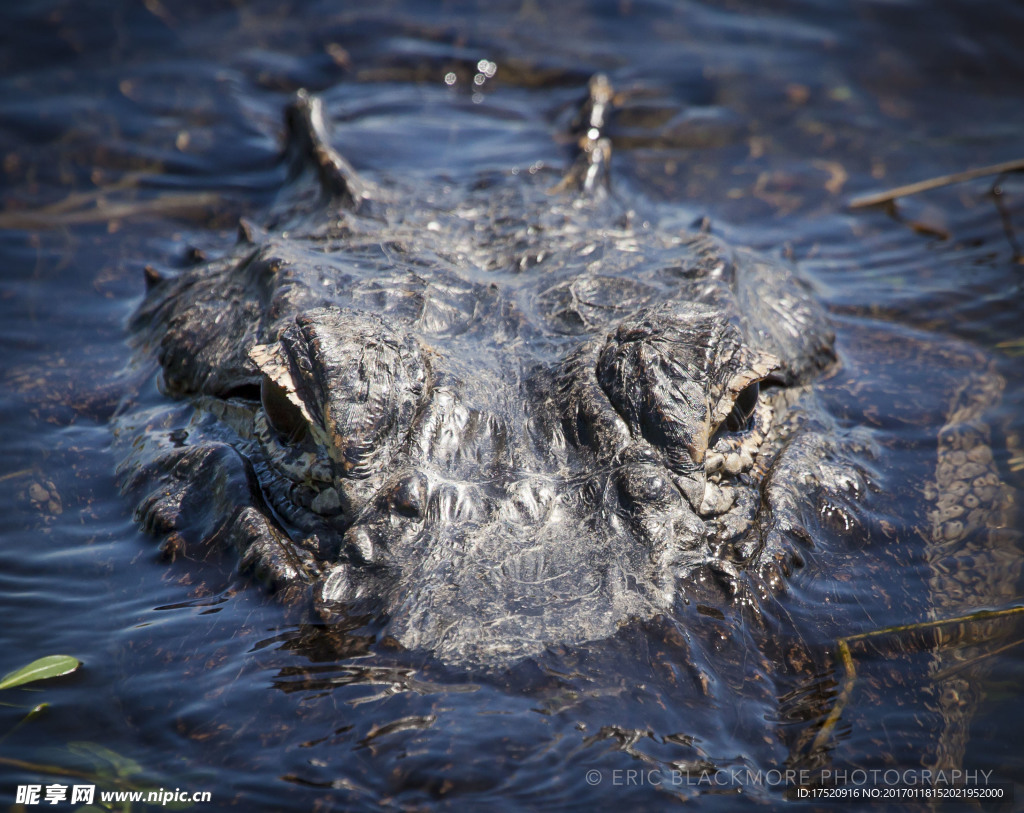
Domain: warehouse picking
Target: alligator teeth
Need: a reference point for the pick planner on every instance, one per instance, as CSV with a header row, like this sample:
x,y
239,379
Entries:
x,y
717,500
740,462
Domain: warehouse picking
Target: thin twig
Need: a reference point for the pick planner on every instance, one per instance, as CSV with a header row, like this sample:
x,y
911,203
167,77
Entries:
x,y
935,183
996,193
168,205
849,665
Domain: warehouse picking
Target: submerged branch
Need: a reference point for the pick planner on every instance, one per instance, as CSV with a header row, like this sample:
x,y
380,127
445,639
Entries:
x,y
934,183
62,214
845,656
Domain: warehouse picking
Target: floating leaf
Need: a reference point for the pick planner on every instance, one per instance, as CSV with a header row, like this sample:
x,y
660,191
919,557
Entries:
x,y
48,667
38,711
105,760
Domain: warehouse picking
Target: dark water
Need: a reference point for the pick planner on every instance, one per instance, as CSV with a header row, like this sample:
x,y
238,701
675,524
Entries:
x,y
130,131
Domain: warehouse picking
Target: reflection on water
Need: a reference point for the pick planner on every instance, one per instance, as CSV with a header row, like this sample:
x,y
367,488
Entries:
x,y
139,133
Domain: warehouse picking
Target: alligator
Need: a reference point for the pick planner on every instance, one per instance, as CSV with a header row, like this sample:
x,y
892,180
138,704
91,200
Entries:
x,y
501,416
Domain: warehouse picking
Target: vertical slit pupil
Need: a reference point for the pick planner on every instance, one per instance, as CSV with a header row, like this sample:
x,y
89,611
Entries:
x,y
743,408
285,418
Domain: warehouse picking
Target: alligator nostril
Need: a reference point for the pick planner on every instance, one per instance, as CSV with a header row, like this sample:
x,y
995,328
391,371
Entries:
x,y
409,496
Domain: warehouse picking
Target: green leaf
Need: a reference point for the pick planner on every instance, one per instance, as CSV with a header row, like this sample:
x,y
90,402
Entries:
x,y
48,667
38,711
105,760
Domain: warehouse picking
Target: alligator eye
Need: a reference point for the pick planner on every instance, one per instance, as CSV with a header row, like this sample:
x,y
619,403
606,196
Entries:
x,y
743,408
286,418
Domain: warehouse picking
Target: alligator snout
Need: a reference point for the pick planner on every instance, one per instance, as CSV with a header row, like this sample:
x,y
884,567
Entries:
x,y
594,482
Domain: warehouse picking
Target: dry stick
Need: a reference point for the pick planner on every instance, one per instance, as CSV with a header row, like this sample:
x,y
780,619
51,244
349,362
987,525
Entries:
x,y
171,204
52,770
846,658
934,183
95,778
1004,217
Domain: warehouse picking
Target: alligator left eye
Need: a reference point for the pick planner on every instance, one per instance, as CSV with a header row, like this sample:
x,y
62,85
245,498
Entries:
x,y
286,418
743,408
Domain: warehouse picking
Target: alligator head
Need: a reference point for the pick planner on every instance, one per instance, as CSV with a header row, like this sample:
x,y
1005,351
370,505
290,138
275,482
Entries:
x,y
504,417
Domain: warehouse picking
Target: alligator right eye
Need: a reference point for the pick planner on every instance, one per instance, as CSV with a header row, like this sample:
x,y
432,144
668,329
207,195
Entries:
x,y
286,418
743,408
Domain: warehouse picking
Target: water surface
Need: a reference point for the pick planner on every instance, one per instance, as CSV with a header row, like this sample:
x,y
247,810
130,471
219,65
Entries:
x,y
130,132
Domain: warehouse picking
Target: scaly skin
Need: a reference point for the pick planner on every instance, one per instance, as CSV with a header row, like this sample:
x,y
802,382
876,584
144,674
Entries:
x,y
973,557
501,417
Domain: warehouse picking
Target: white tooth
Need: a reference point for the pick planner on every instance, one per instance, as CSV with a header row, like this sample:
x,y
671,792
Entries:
x,y
710,501
717,500
733,464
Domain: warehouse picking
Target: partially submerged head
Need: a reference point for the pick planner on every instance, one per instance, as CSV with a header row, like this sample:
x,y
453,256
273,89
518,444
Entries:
x,y
495,460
